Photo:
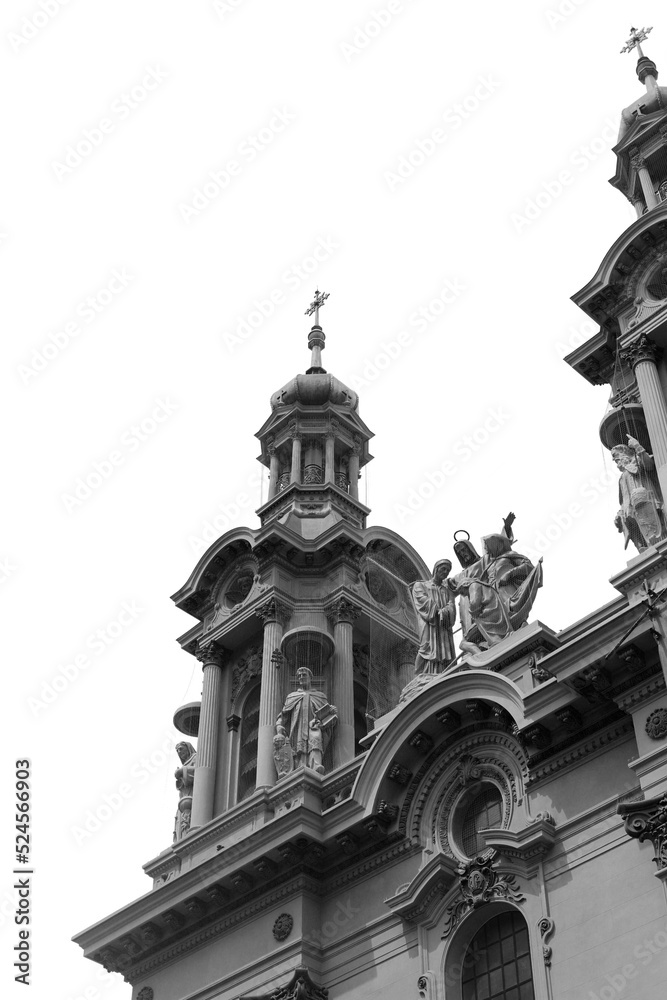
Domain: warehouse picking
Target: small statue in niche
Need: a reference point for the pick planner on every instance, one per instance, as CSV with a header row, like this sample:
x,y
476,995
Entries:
x,y
640,518
497,591
308,718
433,601
185,776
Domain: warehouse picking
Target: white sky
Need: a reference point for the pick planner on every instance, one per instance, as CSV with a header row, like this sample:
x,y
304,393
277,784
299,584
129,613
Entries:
x,y
550,90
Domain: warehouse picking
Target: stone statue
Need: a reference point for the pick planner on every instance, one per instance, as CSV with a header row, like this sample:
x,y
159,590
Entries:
x,y
185,776
434,603
309,718
497,592
640,518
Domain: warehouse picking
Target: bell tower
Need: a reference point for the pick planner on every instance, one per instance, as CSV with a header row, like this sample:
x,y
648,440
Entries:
x,y
627,297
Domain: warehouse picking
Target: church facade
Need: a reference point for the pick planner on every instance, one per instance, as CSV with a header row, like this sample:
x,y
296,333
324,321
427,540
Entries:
x,y
368,810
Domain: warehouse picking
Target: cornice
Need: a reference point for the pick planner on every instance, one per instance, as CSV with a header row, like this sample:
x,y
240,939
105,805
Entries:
x,y
548,762
636,692
177,949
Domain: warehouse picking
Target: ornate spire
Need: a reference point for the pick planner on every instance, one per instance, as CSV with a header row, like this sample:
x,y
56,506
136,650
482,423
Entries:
x,y
646,69
316,337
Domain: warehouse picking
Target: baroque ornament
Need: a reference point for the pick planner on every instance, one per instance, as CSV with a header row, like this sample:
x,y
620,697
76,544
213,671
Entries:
x,y
647,820
656,724
146,993
480,882
282,928
300,987
546,928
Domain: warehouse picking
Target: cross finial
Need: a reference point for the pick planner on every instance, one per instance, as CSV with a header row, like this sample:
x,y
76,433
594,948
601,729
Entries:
x,y
314,307
637,36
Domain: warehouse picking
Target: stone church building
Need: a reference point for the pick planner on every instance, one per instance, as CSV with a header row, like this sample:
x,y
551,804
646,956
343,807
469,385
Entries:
x,y
371,811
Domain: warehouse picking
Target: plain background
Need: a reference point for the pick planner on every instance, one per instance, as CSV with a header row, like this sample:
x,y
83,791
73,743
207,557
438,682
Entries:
x,y
521,93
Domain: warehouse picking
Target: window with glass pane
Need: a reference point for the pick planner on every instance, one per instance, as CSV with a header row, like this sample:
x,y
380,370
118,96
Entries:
x,y
497,963
485,812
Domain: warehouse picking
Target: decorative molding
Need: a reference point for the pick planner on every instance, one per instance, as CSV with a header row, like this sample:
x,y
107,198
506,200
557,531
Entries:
x,y
421,741
546,928
248,665
641,350
146,993
479,882
548,762
656,724
449,718
401,775
569,718
282,927
417,901
213,654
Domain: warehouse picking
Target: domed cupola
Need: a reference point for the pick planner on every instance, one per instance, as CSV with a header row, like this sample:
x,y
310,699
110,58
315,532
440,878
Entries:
x,y
314,445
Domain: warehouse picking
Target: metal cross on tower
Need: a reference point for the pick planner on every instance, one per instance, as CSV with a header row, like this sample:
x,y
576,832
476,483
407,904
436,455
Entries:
x,y
637,35
314,307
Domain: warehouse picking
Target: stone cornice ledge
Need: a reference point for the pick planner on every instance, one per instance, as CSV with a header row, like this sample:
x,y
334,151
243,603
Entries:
x,y
650,565
527,846
642,766
417,901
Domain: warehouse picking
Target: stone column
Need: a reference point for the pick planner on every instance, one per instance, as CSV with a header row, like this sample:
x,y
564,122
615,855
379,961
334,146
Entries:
x,y
273,469
353,470
639,206
329,470
342,614
296,457
639,163
274,615
643,354
406,653
211,658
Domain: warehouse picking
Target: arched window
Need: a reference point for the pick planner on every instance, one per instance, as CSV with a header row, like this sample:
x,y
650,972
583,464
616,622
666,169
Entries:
x,y
497,965
485,812
248,748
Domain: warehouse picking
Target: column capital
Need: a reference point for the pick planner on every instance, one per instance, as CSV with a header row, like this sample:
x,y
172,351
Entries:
x,y
648,821
638,161
212,654
640,350
274,610
342,610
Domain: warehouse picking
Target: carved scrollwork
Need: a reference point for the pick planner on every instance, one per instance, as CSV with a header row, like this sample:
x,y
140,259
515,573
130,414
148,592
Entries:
x,y
648,821
546,928
479,882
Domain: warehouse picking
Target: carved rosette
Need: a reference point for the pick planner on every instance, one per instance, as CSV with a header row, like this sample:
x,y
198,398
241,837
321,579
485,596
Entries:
x,y
282,927
479,883
147,993
274,610
648,821
656,724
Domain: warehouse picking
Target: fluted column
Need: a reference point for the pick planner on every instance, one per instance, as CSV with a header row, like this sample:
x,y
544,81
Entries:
x,y
353,468
329,470
343,614
273,469
275,615
296,458
639,163
643,354
211,658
